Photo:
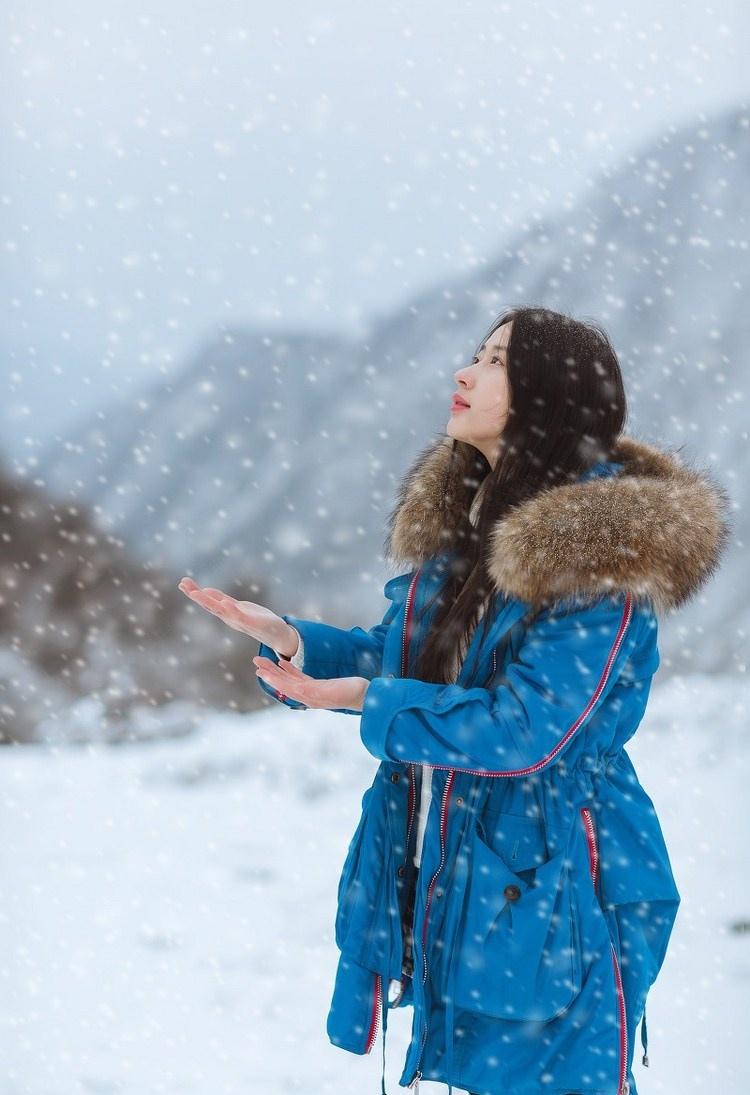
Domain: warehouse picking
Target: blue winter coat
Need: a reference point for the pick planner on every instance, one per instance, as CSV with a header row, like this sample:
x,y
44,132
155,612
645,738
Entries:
x,y
545,898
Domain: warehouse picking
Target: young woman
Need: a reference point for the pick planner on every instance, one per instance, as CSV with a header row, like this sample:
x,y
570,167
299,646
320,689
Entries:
x,y
508,876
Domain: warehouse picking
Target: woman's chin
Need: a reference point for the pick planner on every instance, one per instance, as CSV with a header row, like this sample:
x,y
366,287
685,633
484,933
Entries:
x,y
453,429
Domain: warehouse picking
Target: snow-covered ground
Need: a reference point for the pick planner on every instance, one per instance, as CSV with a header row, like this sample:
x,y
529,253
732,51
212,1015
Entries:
x,y
168,907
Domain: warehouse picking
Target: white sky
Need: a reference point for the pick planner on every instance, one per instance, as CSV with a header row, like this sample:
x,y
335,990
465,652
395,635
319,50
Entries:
x,y
169,171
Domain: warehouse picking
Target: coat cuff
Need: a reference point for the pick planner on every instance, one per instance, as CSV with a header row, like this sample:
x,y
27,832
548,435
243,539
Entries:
x,y
268,652
385,699
320,669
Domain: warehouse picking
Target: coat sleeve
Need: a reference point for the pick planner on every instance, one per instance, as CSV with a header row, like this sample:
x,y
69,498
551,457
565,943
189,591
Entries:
x,y
567,663
337,652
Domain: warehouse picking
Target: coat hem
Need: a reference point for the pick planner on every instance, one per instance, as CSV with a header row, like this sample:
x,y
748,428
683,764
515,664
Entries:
x,y
435,1076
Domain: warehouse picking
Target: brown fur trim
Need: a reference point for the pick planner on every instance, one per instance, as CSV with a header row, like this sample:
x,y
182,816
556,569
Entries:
x,y
656,530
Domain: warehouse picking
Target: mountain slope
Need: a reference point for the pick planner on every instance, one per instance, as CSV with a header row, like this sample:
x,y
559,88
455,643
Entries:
x,y
283,451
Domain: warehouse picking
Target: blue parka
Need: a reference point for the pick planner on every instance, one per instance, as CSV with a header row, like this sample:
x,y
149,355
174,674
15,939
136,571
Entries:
x,y
545,898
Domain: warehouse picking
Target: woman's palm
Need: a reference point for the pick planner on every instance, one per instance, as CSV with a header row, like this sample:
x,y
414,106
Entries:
x,y
247,617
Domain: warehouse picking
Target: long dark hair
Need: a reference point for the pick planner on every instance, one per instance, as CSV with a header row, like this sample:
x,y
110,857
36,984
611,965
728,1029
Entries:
x,y
567,410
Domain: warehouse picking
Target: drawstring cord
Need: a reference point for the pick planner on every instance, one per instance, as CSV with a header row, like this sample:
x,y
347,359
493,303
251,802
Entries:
x,y
644,1037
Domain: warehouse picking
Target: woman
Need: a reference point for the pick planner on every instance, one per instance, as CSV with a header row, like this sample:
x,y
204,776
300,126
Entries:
x,y
508,876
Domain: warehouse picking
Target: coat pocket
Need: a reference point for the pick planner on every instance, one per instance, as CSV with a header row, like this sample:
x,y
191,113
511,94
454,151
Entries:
x,y
367,926
517,947
349,872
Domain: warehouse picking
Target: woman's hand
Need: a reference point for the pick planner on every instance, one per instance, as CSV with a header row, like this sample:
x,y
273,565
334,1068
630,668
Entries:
x,y
245,616
292,683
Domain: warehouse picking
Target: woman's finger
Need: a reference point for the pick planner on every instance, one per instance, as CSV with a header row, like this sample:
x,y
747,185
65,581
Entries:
x,y
209,603
282,681
203,595
228,602
211,596
289,674
291,682
214,601
286,666
283,666
220,603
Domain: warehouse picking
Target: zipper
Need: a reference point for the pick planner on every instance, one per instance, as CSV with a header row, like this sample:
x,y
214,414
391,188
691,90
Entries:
x,y
443,824
406,634
593,849
623,1085
407,965
414,1083
425,919
412,767
404,663
412,802
375,1017
494,664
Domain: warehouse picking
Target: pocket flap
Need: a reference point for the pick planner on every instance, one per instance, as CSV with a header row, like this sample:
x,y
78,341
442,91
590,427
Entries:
x,y
519,839
490,877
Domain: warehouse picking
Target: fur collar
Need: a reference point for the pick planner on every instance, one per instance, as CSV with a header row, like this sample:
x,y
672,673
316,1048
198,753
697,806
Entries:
x,y
656,528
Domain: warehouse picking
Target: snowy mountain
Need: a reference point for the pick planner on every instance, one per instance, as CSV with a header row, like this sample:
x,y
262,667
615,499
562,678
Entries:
x,y
98,647
279,453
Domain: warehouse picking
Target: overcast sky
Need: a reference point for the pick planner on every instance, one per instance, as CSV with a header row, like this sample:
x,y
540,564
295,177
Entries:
x,y
169,171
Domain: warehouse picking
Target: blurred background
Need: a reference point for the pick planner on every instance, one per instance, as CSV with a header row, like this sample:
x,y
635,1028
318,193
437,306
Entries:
x,y
245,250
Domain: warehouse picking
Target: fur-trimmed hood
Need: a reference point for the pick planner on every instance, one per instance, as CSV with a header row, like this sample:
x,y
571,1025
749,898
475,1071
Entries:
x,y
645,524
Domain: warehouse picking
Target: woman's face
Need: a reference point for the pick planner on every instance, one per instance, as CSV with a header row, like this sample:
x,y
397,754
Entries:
x,y
484,386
